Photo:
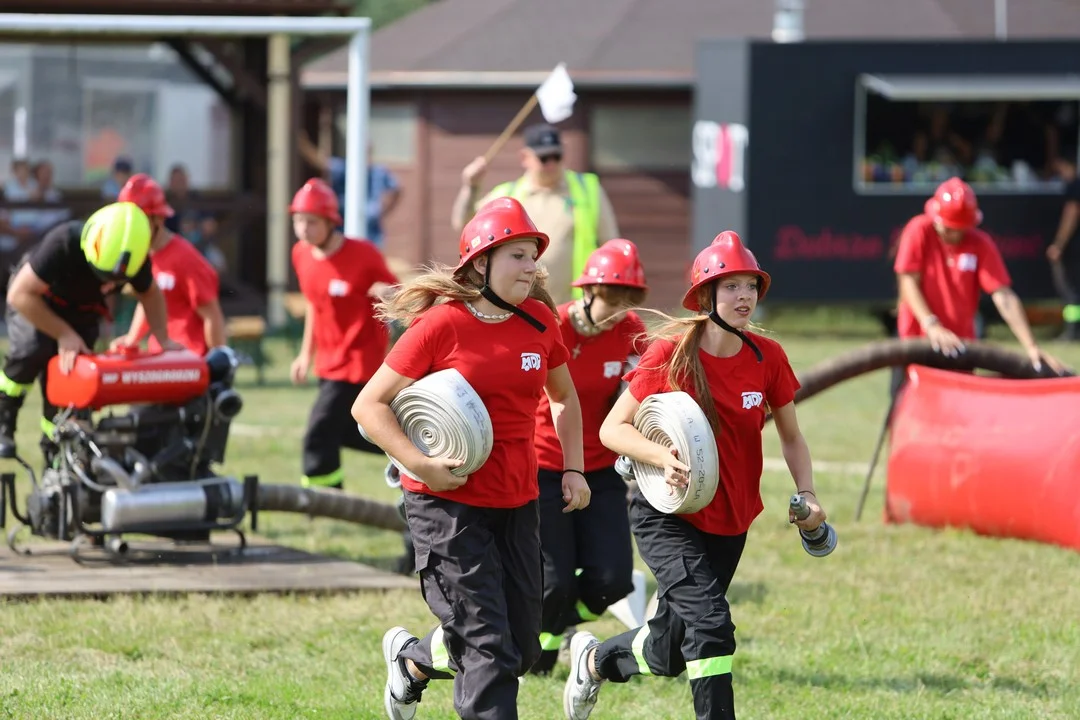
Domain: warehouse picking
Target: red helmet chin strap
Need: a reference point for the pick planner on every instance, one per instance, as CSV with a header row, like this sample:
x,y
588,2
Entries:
x,y
497,301
715,317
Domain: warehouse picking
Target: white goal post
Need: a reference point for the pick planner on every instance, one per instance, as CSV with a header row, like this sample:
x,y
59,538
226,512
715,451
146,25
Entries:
x,y
278,30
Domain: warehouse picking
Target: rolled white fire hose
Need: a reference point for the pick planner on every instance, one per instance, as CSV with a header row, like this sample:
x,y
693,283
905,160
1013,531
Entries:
x,y
674,418
444,417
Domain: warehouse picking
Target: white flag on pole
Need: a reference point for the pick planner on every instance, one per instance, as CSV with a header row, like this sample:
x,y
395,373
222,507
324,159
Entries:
x,y
556,95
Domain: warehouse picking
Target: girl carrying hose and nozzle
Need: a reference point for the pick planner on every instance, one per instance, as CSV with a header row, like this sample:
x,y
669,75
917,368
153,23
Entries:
x,y
736,376
477,538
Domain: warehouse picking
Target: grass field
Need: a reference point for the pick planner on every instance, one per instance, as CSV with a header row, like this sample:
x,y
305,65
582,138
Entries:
x,y
899,623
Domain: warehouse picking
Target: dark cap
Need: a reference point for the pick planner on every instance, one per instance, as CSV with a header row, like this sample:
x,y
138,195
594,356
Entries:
x,y
543,140
123,164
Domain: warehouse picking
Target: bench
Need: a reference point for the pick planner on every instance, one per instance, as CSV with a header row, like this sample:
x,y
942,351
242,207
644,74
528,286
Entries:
x,y
245,334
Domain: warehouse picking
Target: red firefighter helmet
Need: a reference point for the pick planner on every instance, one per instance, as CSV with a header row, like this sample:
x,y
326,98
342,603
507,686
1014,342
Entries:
x,y
499,221
954,205
725,256
316,198
143,191
616,262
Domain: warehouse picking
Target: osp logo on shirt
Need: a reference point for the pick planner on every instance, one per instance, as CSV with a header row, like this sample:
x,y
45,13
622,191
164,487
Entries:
x,y
967,262
751,400
530,361
338,288
166,281
612,369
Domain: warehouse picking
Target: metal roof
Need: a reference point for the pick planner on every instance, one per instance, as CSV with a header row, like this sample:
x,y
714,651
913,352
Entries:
x,y
177,7
510,43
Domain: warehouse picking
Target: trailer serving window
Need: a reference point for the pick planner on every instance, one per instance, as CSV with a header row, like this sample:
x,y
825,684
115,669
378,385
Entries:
x,y
1001,133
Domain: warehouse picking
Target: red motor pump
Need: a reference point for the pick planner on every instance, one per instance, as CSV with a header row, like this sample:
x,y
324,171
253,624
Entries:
x,y
128,376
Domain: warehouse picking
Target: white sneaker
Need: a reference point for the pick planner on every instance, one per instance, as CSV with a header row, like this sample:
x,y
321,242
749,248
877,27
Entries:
x,y
579,695
402,692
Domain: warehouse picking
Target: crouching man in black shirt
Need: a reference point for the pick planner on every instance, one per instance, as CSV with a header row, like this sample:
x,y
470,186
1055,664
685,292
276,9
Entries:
x,y
56,301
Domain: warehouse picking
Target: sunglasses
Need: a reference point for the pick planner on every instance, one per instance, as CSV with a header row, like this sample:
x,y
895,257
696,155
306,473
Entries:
x,y
551,158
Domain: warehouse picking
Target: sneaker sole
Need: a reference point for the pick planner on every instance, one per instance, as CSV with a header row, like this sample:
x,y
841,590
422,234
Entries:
x,y
569,686
387,651
566,693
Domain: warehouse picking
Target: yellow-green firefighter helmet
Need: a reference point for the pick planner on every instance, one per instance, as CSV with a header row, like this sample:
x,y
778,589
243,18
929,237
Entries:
x,y
116,240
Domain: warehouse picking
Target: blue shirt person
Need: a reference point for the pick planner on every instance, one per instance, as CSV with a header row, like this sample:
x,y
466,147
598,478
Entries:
x,y
382,189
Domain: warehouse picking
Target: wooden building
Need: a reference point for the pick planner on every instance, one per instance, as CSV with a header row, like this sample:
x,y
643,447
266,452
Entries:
x,y
448,78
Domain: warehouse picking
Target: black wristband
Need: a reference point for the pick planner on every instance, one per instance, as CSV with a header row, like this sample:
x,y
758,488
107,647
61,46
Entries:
x,y
574,471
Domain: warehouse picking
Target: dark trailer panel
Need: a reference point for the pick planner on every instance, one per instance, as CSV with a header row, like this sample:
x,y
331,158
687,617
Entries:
x,y
819,152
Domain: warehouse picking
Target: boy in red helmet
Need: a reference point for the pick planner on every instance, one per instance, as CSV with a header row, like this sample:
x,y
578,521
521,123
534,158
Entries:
x,y
188,282
341,278
942,262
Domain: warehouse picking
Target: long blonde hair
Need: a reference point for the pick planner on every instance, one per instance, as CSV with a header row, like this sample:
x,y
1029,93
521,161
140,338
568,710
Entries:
x,y
684,367
438,284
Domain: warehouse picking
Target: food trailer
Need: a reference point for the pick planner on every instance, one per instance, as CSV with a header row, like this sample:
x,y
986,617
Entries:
x,y
819,152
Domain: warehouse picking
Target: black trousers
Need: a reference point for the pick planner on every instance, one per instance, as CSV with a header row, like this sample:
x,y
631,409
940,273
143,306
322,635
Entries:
x,y
481,574
330,427
588,556
692,629
28,356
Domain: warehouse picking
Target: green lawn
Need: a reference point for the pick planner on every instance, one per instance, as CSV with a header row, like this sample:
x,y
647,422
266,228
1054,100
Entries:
x,y
899,623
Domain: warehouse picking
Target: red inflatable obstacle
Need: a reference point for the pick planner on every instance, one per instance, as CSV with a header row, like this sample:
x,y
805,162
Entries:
x,y
997,456
128,376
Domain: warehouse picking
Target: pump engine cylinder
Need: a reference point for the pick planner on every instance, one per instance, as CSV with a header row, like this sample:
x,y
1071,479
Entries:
x,y
171,503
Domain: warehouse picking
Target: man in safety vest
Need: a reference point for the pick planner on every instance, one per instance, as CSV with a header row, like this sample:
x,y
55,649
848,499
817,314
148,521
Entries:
x,y
570,207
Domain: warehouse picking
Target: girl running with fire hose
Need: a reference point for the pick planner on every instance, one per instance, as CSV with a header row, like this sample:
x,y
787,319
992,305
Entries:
x,y
589,556
477,538
735,376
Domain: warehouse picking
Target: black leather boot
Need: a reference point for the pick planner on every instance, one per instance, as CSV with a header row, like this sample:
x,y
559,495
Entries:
x,y
9,413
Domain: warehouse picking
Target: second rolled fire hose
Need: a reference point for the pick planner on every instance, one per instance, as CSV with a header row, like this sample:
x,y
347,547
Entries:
x,y
675,419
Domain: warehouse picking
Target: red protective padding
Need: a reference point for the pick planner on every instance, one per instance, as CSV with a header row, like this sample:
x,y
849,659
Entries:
x,y
999,457
128,376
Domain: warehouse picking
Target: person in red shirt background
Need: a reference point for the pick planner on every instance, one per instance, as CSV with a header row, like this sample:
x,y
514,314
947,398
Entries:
x,y
942,263
341,278
736,376
477,538
188,282
588,555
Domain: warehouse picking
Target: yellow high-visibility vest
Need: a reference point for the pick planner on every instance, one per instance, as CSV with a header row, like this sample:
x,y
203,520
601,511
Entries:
x,y
585,199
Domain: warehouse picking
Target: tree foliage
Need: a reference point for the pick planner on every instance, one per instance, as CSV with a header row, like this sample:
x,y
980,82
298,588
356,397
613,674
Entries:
x,y
384,12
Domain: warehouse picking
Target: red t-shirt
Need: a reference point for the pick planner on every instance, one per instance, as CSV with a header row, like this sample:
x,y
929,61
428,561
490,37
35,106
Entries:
x,y
743,390
596,365
951,275
507,365
350,342
188,281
